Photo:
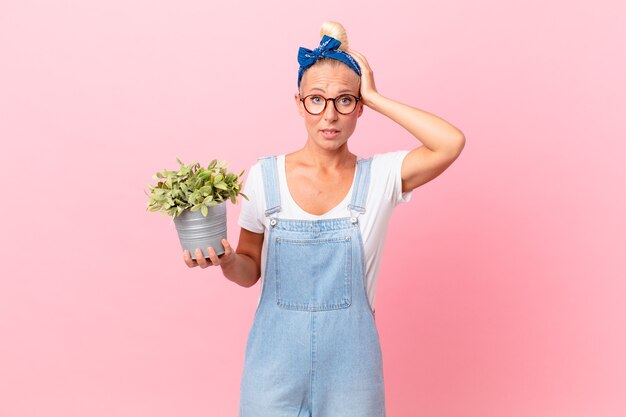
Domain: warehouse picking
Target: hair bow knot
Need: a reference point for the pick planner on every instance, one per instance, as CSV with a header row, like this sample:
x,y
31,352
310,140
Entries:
x,y
328,49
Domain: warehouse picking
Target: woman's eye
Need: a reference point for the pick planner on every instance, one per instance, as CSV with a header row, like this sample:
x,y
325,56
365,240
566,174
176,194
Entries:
x,y
316,99
345,100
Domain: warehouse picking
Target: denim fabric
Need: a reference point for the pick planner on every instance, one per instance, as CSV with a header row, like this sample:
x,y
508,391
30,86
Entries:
x,y
313,349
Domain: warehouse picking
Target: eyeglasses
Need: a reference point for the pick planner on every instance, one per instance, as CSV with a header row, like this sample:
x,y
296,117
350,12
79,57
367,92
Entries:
x,y
316,104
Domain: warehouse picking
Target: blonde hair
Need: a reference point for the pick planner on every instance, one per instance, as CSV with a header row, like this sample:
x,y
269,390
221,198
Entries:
x,y
337,31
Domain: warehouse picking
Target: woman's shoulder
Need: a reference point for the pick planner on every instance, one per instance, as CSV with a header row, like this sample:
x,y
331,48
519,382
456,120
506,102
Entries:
x,y
267,158
388,160
256,167
254,175
255,172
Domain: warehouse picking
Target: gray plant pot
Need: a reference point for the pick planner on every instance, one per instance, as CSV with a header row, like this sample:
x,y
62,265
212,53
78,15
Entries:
x,y
196,231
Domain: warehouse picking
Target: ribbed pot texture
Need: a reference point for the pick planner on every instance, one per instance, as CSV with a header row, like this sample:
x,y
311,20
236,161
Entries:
x,y
196,231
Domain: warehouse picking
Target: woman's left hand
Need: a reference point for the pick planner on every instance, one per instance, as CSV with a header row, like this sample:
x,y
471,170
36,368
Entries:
x,y
368,88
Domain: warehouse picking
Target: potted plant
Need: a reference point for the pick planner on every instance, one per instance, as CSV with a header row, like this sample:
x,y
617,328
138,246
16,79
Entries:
x,y
196,199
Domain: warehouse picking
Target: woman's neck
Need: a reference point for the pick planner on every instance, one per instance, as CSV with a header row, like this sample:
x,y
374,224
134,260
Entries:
x,y
325,159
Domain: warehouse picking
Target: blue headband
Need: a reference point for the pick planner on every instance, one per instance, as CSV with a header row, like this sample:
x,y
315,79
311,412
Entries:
x,y
327,49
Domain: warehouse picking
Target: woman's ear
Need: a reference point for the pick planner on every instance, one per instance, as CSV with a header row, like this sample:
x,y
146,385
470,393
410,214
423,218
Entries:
x,y
299,104
360,111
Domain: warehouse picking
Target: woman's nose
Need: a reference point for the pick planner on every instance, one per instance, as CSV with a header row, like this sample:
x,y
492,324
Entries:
x,y
330,112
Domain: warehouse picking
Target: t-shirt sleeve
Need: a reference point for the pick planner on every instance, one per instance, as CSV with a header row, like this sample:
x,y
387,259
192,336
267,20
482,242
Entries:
x,y
389,167
251,209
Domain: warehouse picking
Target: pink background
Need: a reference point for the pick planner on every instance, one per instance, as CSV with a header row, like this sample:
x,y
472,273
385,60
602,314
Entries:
x,y
502,288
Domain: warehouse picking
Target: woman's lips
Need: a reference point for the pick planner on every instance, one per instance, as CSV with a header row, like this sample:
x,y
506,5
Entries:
x,y
330,133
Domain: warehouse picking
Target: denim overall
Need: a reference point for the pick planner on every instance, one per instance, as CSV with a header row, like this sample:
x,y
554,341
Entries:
x,y
313,349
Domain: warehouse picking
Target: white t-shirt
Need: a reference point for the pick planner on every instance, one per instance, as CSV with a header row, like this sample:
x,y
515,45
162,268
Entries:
x,y
385,193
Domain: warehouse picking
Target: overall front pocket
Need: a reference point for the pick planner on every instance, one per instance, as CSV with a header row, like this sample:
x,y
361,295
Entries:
x,y
314,274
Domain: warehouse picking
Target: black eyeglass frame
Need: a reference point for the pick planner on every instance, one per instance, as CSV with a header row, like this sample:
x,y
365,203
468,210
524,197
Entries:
x,y
326,100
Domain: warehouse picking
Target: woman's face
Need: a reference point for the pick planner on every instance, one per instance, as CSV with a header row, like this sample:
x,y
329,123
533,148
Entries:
x,y
329,130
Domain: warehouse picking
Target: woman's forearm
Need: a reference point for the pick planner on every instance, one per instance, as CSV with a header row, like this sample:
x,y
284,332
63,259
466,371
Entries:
x,y
242,270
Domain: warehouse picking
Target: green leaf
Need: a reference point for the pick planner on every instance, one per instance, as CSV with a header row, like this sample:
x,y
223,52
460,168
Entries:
x,y
205,210
221,186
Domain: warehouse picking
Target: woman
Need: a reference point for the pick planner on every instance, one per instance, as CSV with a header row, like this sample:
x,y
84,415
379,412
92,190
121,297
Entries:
x,y
315,225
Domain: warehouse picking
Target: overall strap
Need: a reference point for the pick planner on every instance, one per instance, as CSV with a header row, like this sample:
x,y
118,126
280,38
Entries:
x,y
361,185
270,184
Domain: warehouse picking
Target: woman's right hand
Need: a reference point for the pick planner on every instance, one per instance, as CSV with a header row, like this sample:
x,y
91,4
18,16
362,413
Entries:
x,y
213,260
